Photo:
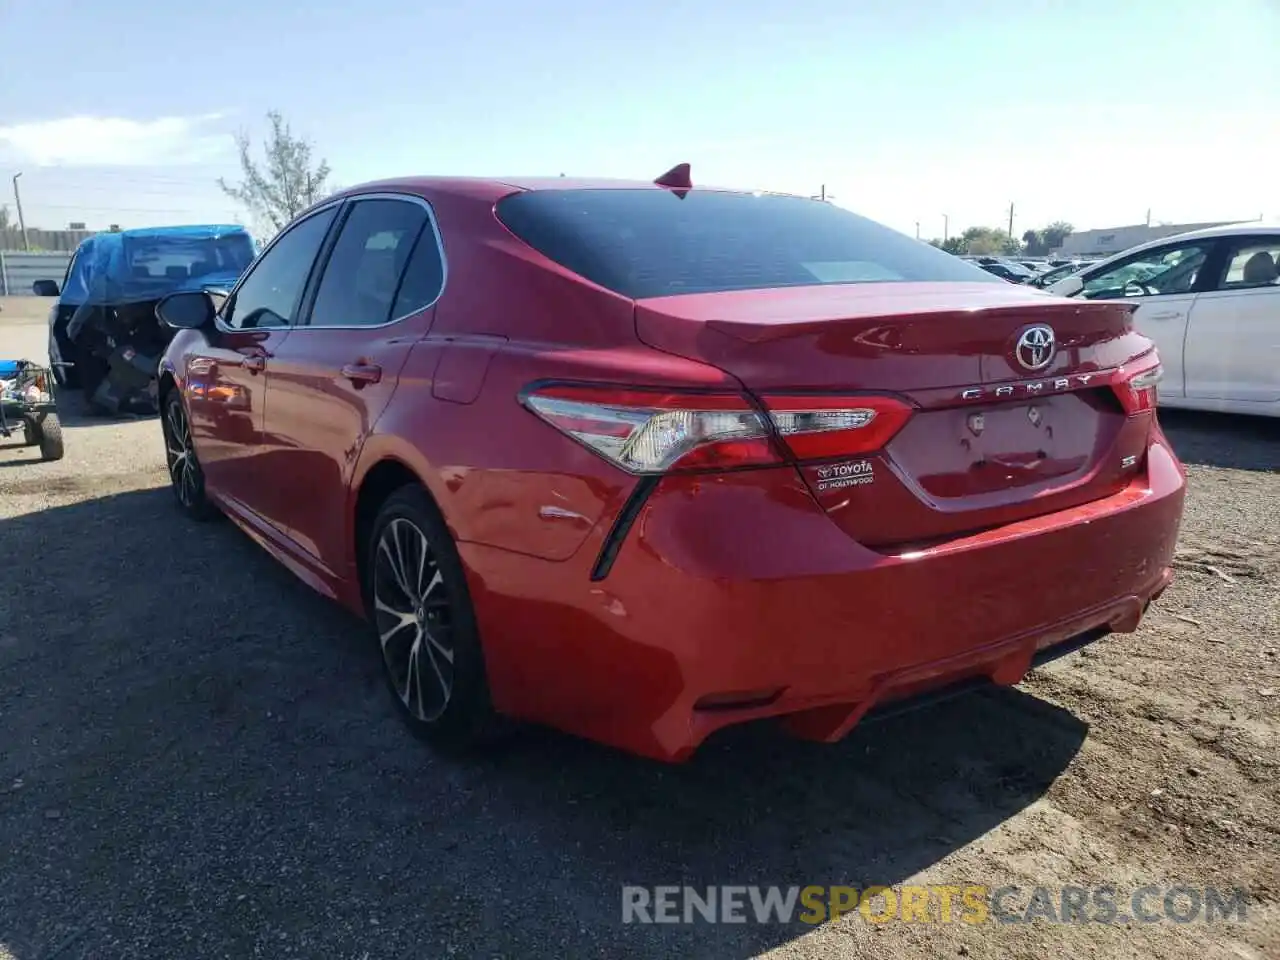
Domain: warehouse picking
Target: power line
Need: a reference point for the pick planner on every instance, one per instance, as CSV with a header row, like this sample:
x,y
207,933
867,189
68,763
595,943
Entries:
x,y
111,208
48,189
111,177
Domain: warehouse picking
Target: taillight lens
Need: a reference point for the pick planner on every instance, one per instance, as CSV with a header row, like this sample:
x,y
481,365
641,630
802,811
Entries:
x,y
648,432
1138,384
651,432
820,427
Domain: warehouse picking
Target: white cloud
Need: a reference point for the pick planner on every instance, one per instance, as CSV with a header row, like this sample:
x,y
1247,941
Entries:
x,y
118,142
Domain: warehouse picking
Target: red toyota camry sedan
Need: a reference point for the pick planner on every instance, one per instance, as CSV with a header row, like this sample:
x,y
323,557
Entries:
x,y
640,460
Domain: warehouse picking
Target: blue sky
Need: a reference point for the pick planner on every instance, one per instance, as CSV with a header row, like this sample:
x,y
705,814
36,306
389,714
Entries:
x,y
1091,111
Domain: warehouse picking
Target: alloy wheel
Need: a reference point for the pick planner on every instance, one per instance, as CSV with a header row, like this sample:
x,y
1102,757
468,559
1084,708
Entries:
x,y
181,455
412,613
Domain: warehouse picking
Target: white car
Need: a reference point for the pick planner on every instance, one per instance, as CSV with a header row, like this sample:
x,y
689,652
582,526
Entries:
x,y
1210,300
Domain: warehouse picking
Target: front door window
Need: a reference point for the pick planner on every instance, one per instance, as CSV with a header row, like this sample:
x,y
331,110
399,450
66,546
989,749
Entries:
x,y
1163,271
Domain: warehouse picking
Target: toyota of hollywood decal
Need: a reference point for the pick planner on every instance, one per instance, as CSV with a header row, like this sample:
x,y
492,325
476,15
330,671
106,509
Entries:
x,y
852,473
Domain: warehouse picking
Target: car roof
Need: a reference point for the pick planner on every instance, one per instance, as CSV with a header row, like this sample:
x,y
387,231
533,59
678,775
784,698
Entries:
x,y
110,239
192,231
1253,227
493,188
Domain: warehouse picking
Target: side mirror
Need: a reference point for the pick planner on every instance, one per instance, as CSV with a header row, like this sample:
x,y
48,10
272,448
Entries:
x,y
189,310
45,288
1066,287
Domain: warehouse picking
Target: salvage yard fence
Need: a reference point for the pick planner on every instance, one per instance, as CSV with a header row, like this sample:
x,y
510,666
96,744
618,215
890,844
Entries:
x,y
19,270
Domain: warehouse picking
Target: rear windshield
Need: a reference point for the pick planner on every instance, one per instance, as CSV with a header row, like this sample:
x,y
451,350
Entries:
x,y
179,258
651,243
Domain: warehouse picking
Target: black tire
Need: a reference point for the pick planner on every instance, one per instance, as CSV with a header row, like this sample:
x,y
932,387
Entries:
x,y
186,478
446,701
46,433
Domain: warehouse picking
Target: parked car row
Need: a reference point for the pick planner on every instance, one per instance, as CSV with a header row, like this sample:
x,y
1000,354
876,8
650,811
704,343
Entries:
x,y
642,460
1036,273
1003,267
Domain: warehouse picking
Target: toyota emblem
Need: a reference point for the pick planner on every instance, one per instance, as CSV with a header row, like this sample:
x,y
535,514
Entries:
x,y
1036,347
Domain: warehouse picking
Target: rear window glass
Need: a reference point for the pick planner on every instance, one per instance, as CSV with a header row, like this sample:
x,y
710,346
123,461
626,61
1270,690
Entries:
x,y
651,243
178,257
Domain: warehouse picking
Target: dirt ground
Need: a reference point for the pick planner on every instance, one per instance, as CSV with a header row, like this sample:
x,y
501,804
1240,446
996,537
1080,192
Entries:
x,y
197,759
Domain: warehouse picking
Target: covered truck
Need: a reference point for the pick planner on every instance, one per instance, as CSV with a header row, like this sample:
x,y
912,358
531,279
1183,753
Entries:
x,y
103,333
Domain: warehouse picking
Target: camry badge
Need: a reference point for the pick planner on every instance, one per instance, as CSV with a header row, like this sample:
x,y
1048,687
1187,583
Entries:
x,y
1036,347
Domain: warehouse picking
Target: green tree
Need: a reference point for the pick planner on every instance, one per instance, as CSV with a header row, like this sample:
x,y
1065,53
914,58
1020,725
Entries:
x,y
1040,242
1055,233
286,182
950,245
990,241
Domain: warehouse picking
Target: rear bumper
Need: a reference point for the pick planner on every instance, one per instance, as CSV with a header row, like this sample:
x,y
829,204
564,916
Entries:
x,y
735,598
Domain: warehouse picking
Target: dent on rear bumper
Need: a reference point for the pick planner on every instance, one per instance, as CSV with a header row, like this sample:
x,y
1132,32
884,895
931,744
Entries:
x,y
739,583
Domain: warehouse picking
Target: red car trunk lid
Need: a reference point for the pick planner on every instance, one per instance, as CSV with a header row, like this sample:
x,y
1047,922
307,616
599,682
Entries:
x,y
997,436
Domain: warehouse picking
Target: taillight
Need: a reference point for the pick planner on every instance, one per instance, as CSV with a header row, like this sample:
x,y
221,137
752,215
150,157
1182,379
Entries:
x,y
650,431
1137,387
816,428
655,432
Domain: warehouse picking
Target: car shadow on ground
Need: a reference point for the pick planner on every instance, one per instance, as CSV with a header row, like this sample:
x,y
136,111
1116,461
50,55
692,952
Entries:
x,y
1224,440
201,760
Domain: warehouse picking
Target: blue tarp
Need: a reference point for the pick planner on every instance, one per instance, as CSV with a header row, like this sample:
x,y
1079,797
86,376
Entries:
x,y
148,263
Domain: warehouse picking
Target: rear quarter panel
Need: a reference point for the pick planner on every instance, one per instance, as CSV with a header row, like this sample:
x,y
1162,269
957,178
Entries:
x,y
509,318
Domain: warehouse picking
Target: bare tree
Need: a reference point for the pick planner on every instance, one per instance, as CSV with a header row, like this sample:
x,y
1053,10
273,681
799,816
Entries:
x,y
286,182
4,218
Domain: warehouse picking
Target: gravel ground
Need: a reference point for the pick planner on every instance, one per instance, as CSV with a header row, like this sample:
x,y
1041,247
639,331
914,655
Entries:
x,y
197,759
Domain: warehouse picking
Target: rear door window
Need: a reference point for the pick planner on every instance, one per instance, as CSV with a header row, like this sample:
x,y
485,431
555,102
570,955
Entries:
x,y
653,242
364,271
1254,262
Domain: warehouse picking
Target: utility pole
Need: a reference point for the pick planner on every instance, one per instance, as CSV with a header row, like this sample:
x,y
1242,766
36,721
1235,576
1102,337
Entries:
x,y
22,223
1148,216
946,228
917,229
1011,221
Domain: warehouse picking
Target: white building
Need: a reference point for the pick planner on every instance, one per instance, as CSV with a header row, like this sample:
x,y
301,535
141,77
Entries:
x,y
1114,239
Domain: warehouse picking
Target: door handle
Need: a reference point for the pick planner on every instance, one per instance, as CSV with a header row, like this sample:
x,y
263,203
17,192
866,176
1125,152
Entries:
x,y
254,363
1169,315
361,373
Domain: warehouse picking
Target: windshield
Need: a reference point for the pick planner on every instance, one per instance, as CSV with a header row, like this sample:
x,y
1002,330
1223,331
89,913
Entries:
x,y
1015,268
1057,273
181,258
1172,272
652,243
